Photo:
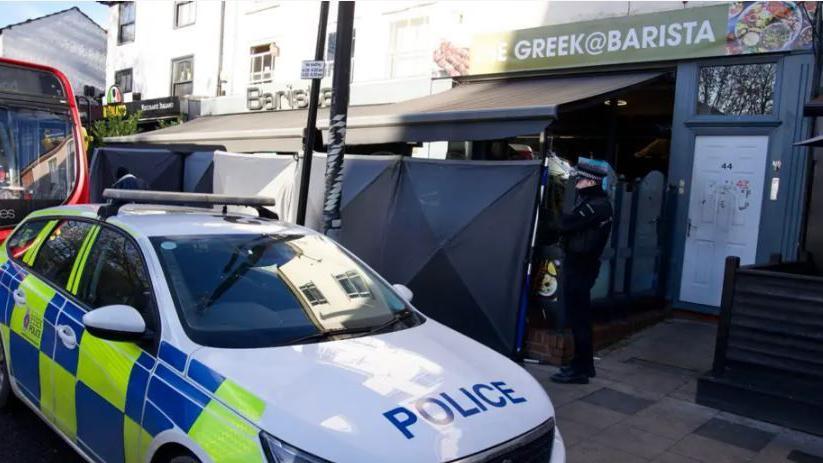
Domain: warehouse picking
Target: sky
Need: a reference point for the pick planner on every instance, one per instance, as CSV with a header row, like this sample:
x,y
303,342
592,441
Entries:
x,y
12,12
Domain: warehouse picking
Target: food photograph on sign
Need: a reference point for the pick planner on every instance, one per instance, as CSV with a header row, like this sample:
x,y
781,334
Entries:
x,y
759,27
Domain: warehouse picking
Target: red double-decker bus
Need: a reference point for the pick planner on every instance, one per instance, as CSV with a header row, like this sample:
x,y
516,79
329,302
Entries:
x,y
42,157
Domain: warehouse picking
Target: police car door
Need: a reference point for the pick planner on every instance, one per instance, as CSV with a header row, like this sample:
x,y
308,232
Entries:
x,y
111,376
45,270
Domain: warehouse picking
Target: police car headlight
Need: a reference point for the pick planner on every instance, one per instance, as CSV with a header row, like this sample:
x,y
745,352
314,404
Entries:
x,y
278,451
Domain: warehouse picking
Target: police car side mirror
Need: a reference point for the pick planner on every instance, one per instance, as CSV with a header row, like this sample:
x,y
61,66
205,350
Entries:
x,y
403,291
115,323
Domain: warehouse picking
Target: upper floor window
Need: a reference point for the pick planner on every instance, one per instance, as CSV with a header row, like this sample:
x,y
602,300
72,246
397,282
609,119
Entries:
x,y
261,66
123,80
331,48
184,13
125,22
736,89
409,53
182,76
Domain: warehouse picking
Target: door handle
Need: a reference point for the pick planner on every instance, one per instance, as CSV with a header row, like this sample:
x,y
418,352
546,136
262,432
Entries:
x,y
67,336
19,297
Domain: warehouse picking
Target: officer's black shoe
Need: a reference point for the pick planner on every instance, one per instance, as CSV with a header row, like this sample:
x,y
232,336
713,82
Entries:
x,y
568,370
570,377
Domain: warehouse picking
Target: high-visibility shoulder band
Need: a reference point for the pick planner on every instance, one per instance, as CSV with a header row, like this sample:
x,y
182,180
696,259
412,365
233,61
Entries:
x,y
31,253
80,261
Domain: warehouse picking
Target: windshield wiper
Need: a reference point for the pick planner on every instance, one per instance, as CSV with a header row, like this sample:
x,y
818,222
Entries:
x,y
399,316
325,334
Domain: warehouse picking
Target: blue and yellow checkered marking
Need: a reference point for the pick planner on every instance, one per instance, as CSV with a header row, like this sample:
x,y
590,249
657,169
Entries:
x,y
173,356
112,398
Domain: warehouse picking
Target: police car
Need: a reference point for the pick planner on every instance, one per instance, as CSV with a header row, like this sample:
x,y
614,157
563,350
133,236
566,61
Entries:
x,y
155,332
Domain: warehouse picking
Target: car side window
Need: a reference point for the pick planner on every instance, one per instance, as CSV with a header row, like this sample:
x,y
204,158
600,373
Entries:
x,y
22,240
115,274
56,255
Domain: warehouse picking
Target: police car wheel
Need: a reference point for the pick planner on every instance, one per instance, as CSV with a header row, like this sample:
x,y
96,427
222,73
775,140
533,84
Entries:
x,y
5,381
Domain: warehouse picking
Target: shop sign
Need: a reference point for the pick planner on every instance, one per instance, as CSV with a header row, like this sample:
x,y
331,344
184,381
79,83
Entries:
x,y
289,98
149,109
718,30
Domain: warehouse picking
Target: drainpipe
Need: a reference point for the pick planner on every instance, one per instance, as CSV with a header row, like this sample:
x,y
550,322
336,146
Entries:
x,y
220,49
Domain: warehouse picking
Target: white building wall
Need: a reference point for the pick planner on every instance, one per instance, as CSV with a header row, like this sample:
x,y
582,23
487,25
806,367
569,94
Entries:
x,y
69,41
293,27
157,42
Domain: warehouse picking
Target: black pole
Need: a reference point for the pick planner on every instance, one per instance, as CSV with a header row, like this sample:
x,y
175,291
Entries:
x,y
311,123
337,119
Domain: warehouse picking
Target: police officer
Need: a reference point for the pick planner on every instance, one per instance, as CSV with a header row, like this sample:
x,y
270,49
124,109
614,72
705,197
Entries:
x,y
127,181
585,232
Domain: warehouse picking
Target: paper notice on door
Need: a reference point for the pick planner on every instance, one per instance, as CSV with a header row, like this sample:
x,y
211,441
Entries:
x,y
775,187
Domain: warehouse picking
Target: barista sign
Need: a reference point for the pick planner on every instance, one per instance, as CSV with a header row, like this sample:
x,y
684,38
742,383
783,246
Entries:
x,y
726,29
262,98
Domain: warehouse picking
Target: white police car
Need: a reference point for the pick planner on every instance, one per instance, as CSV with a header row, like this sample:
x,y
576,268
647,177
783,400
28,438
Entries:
x,y
155,333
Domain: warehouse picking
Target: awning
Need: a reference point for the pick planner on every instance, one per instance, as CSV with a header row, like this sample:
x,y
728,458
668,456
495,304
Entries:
x,y
814,108
814,142
472,111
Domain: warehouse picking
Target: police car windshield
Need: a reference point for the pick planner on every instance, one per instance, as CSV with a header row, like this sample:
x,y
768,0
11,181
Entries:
x,y
256,290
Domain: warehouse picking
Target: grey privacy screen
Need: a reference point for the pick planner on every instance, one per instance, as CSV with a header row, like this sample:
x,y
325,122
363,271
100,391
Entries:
x,y
455,232
161,169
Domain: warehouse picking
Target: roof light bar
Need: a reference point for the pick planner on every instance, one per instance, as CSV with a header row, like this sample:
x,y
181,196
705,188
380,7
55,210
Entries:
x,y
118,198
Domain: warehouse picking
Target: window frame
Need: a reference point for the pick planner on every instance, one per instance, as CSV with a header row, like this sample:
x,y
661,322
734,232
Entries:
x,y
17,229
37,254
176,24
83,284
394,53
350,277
120,24
121,72
171,77
149,345
330,62
699,119
262,56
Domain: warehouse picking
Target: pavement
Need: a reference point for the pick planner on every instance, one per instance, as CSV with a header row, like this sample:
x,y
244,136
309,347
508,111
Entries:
x,y
641,408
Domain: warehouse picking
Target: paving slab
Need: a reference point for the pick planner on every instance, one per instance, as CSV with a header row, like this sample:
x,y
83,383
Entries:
x,y
574,432
634,441
669,457
595,416
739,435
655,382
593,452
618,401
672,418
641,407
710,451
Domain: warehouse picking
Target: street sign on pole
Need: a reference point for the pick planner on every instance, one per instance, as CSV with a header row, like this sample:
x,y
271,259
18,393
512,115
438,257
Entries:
x,y
312,69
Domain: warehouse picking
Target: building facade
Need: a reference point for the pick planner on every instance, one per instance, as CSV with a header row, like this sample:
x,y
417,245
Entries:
x,y
67,40
215,52
697,106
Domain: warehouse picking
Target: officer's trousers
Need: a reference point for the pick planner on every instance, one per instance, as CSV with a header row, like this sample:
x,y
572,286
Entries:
x,y
581,274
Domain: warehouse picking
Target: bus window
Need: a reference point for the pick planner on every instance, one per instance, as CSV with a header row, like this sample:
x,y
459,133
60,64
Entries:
x,y
41,157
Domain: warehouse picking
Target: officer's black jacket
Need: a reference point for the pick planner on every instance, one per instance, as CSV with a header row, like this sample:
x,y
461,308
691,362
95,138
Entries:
x,y
586,228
